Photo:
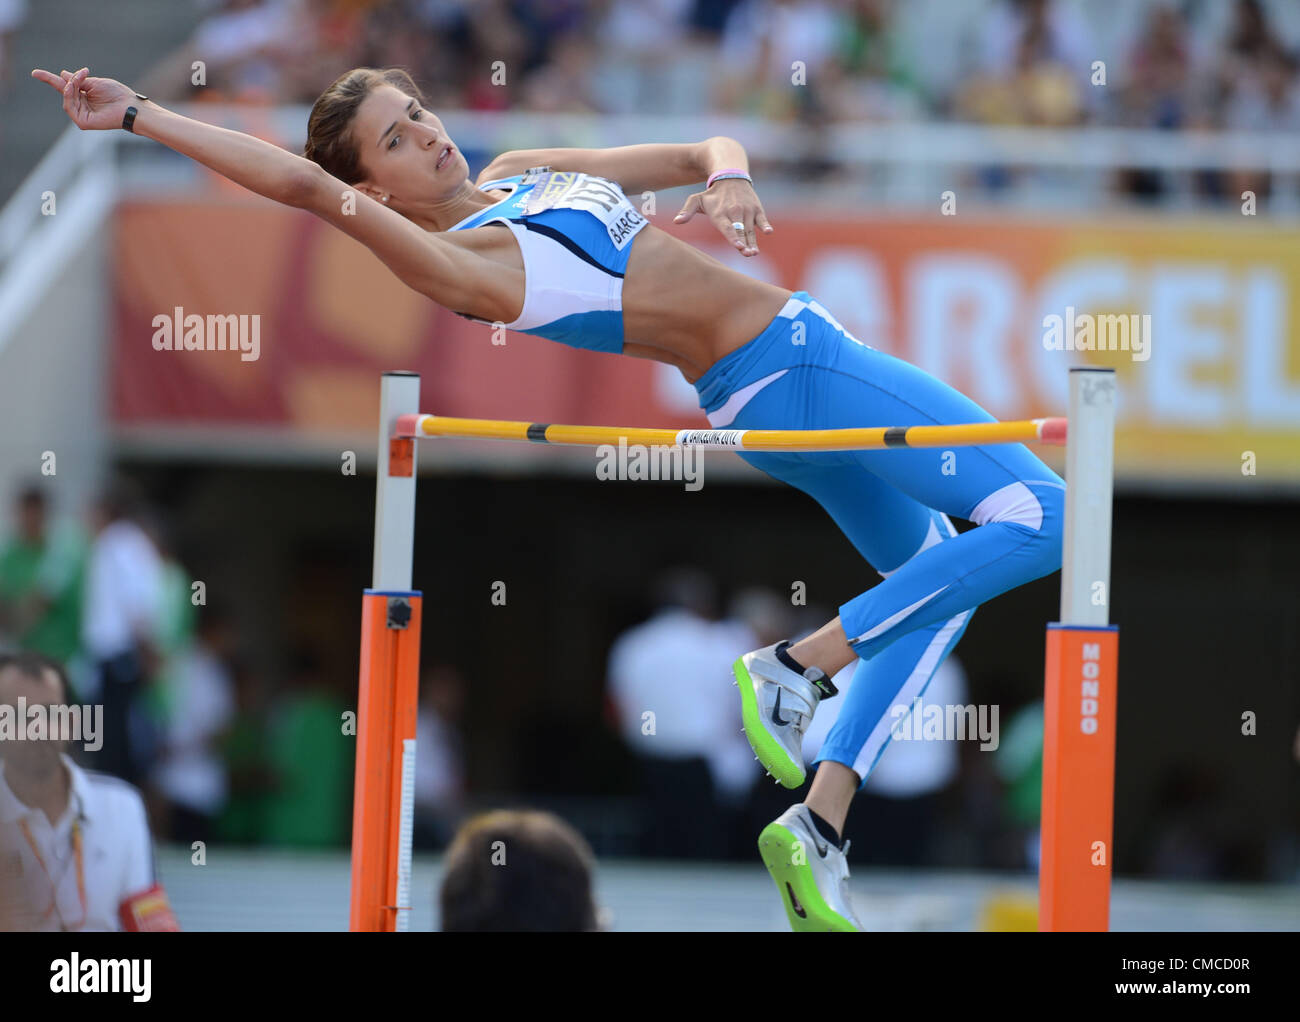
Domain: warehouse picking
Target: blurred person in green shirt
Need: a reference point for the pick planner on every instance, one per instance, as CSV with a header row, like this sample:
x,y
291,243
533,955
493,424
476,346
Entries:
x,y
244,748
311,759
42,566
1019,764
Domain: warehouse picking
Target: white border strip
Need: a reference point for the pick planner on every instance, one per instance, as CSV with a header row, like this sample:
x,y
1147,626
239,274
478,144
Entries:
x,y
405,831
399,394
1089,474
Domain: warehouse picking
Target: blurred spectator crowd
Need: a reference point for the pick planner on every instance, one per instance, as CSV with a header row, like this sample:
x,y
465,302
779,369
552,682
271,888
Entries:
x,y
227,751
231,747
185,719
1170,64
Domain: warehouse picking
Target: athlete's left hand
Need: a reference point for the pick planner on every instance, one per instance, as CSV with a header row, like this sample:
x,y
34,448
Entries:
x,y
729,202
93,104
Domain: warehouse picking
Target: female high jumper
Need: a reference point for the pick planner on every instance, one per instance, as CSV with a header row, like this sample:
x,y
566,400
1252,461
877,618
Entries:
x,y
546,242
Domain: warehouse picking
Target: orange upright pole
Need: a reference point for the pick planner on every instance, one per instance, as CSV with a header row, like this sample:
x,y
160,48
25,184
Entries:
x,y
388,692
1078,777
390,665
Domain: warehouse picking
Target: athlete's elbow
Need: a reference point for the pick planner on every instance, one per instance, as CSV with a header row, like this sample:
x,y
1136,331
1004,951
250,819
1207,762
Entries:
x,y
302,187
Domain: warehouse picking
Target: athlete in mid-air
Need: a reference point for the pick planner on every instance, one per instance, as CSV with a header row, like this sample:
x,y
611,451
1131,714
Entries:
x,y
546,242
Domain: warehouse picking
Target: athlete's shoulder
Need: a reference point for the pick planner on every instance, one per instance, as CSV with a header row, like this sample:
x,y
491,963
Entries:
x,y
486,181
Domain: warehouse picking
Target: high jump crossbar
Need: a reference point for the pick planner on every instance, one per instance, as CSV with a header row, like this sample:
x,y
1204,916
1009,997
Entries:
x,y
1082,648
1047,431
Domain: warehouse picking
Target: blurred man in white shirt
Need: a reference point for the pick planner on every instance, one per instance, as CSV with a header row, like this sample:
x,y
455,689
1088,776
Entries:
x,y
124,578
75,846
670,682
191,774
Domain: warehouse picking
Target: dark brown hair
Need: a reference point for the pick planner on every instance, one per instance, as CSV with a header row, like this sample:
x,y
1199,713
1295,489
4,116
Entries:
x,y
33,665
329,128
517,871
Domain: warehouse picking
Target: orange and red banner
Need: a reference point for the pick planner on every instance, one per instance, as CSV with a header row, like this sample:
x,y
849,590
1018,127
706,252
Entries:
x,y
1209,386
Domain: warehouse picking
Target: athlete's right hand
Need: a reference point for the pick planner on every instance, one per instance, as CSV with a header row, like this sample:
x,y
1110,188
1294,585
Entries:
x,y
93,104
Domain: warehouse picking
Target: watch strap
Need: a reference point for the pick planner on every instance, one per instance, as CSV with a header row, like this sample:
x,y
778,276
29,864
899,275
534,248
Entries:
x,y
128,119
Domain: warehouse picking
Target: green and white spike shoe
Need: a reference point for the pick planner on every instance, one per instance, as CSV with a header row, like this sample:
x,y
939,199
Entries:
x,y
811,874
776,706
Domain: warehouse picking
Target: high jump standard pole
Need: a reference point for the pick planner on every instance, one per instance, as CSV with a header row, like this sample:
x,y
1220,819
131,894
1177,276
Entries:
x,y
383,807
1079,693
1082,649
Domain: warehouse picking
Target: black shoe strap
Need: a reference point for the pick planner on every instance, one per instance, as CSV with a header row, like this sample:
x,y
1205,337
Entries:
x,y
816,675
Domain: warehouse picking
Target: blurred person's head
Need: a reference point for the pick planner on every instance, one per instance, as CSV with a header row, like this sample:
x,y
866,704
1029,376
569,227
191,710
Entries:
x,y
119,501
1276,70
442,689
768,616
306,669
31,507
1033,11
39,681
250,692
686,588
160,531
216,629
521,871
1249,26
370,129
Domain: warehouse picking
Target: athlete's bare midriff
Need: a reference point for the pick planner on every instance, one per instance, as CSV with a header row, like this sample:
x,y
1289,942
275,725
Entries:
x,y
680,306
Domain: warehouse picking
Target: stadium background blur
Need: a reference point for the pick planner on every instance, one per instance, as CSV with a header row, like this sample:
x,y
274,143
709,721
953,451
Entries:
x,y
1122,190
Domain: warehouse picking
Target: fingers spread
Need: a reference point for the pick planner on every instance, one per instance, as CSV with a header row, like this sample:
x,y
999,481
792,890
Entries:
x,y
52,80
690,209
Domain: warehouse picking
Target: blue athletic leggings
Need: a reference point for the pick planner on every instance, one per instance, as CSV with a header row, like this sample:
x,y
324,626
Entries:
x,y
806,372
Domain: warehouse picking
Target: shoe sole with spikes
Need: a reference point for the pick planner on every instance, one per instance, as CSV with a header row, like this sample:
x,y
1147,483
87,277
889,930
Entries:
x,y
770,753
785,858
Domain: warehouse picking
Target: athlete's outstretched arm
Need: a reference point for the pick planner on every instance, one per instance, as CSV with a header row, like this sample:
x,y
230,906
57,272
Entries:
x,y
460,280
636,168
652,166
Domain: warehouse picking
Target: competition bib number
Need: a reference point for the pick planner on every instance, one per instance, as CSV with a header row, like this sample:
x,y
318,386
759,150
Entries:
x,y
594,195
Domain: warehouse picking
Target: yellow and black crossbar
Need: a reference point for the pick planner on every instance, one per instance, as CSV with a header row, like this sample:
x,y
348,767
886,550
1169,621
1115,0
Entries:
x,y
974,434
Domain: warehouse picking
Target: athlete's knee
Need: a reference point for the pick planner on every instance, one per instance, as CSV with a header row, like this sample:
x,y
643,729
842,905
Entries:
x,y
1037,511
1051,533
941,529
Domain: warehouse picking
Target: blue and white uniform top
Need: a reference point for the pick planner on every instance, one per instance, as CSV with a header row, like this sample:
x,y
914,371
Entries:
x,y
575,233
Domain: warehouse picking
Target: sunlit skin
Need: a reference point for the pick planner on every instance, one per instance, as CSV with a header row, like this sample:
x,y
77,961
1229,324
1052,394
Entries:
x,y
33,770
713,310
680,306
716,309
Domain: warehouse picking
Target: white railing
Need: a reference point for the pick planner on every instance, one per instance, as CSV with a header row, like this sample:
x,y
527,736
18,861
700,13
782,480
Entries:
x,y
939,144
79,175
87,161
73,153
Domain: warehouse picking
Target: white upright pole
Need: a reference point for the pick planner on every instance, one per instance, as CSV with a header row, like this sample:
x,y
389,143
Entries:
x,y
1089,470
399,394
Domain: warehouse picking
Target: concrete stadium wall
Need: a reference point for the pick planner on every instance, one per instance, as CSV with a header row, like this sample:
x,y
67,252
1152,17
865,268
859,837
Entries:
x,y
53,384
